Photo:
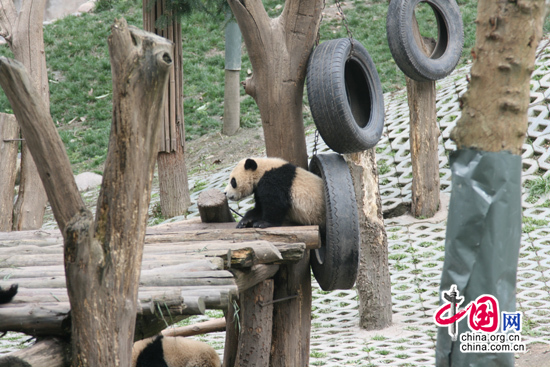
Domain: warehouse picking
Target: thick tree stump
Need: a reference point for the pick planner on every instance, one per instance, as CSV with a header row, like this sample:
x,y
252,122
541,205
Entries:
x,y
373,280
9,142
256,324
213,207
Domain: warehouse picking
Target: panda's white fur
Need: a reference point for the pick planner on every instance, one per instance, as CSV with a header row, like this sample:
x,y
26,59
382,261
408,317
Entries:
x,y
306,189
173,351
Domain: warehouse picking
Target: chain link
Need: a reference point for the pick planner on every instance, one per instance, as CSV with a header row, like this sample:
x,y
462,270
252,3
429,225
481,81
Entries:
x,y
315,142
345,21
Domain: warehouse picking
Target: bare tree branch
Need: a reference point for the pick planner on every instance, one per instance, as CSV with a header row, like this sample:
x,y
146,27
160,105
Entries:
x,y
43,141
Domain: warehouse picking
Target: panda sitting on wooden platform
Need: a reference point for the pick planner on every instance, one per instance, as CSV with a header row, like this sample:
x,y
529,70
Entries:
x,y
173,351
282,192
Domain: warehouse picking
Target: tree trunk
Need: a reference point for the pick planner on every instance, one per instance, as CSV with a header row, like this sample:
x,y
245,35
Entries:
x,y
484,225
279,51
102,259
494,109
172,170
173,184
24,33
373,280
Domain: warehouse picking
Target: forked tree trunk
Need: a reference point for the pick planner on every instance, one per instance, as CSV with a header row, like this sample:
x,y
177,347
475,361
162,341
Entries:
x,y
102,259
24,33
279,51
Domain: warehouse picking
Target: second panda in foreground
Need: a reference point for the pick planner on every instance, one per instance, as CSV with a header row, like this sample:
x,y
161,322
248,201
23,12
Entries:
x,y
282,192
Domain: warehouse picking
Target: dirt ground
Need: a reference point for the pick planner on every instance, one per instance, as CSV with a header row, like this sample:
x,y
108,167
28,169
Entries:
x,y
216,150
538,355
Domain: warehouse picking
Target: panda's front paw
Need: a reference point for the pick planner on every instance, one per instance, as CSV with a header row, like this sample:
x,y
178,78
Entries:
x,y
245,223
263,224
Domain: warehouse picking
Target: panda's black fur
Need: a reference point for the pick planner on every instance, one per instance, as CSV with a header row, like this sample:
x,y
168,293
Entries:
x,y
152,355
6,295
273,192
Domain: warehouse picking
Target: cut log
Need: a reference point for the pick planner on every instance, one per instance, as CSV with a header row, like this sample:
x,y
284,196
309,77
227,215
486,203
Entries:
x,y
191,230
213,207
51,352
243,254
210,326
46,313
256,326
247,278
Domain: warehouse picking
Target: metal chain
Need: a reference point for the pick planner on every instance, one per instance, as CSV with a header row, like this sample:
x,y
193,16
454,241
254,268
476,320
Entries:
x,y
345,21
319,29
315,142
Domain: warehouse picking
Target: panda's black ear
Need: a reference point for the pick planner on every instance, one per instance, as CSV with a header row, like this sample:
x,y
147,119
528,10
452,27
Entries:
x,y
250,164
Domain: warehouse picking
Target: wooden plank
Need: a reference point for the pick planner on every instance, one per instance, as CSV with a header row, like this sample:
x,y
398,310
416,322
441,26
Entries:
x,y
193,230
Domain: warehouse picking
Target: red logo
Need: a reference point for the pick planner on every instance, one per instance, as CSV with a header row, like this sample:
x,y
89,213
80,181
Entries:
x,y
484,313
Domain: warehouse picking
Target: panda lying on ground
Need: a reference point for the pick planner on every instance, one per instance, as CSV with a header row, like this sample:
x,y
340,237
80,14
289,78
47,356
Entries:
x,y
282,192
173,351
6,295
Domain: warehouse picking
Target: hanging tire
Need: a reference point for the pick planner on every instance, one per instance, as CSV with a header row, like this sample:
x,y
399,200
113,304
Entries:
x,y
345,96
335,264
406,52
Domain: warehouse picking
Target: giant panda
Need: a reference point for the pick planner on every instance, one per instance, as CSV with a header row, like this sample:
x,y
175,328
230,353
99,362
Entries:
x,y
173,351
6,295
282,193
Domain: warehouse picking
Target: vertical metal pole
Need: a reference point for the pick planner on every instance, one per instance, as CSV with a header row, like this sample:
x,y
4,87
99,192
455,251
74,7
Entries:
x,y
232,108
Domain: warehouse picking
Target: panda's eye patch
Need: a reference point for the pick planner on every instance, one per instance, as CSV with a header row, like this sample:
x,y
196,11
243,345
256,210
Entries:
x,y
234,183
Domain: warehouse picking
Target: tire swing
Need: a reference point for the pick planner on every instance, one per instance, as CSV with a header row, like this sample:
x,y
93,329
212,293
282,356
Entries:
x,y
404,47
345,95
336,263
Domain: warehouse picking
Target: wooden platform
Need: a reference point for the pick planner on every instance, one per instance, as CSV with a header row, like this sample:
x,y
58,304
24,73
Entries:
x,y
187,267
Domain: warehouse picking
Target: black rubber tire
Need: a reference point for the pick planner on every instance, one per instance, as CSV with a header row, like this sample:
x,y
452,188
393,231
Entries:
x,y
336,263
345,96
407,53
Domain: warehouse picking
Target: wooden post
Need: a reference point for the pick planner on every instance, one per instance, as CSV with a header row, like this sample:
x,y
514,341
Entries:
x,y
231,335
231,99
9,142
424,135
373,279
256,324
